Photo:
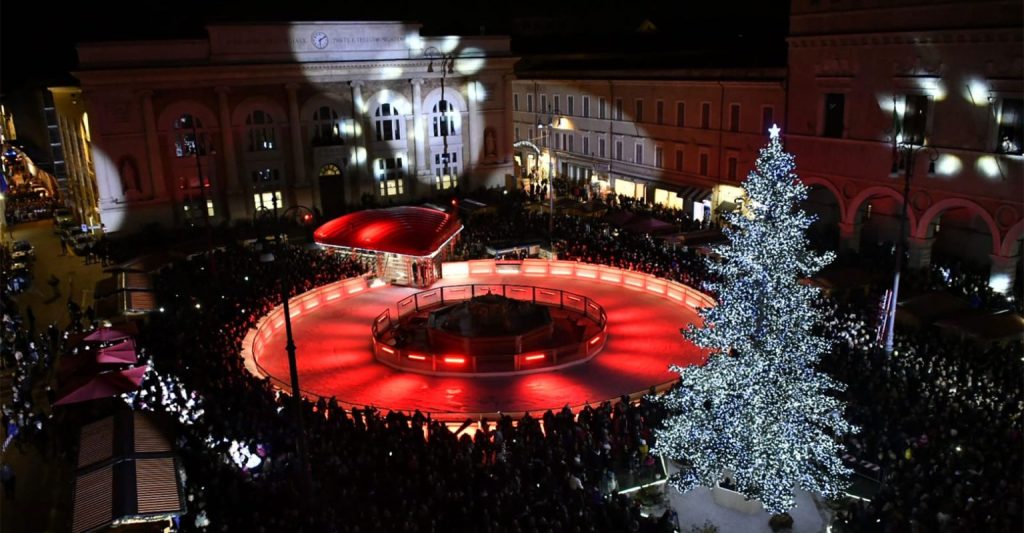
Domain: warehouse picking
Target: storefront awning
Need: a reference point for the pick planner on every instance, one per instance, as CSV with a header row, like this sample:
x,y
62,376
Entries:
x,y
695,194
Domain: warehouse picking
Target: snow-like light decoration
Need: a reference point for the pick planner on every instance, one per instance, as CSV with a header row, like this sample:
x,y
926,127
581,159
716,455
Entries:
x,y
758,408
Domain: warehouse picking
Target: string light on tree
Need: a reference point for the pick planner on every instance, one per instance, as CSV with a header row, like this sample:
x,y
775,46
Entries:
x,y
758,408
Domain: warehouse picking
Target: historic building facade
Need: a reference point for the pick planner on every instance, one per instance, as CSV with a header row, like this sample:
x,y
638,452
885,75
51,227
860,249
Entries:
x,y
71,123
325,115
684,139
878,89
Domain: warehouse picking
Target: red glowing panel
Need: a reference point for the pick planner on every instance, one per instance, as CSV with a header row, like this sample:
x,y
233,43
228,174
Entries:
x,y
454,360
388,350
595,339
417,357
534,357
354,290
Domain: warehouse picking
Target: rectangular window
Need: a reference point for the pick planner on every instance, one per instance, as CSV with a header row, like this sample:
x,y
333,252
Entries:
x,y
565,144
732,168
586,106
767,118
618,109
544,103
659,157
915,118
570,105
705,115
681,114
659,112
571,143
734,117
529,103
703,164
517,133
1011,126
835,109
268,199
618,150
601,104
394,187
600,147
558,107
515,102
586,145
679,160
639,110
196,202
639,155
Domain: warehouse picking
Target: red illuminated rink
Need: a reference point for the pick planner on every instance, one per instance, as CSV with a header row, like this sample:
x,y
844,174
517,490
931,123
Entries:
x,y
331,328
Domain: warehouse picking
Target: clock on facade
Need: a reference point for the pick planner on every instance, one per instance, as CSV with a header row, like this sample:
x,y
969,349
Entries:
x,y
320,40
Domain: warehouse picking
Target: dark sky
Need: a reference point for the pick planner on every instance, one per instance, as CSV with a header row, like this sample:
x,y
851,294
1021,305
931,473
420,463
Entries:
x,y
37,38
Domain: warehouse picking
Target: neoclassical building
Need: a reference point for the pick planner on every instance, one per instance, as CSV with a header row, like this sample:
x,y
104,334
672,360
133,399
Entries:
x,y
324,115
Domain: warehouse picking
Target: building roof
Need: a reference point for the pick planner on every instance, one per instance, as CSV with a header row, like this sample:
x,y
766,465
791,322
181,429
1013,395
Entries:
x,y
407,230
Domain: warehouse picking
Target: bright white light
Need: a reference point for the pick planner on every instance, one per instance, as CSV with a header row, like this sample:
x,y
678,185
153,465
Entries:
x,y
448,44
977,92
999,282
470,61
415,43
360,155
988,166
948,165
391,73
198,306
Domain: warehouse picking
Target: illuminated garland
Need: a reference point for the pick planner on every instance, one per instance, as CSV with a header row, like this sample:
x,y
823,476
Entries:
x,y
758,408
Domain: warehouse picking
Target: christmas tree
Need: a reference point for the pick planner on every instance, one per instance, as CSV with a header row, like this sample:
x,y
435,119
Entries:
x,y
759,409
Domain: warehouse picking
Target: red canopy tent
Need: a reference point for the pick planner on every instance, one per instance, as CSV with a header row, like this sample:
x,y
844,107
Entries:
x,y
118,353
106,335
103,385
406,230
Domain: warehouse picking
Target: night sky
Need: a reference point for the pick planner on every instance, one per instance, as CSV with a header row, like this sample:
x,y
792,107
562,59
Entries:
x,y
38,48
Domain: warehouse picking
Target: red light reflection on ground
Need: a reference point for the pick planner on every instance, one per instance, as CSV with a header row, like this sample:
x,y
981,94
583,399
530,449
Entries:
x,y
335,355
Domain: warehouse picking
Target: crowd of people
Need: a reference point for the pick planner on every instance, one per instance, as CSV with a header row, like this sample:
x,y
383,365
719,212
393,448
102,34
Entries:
x,y
404,472
940,425
940,419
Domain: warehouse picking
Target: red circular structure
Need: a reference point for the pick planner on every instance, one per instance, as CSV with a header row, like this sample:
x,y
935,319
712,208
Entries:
x,y
406,230
554,329
332,332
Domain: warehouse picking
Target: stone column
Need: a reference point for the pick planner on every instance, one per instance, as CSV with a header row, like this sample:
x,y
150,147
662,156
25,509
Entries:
x,y
849,236
472,131
1003,273
363,118
227,141
298,161
156,165
419,131
920,252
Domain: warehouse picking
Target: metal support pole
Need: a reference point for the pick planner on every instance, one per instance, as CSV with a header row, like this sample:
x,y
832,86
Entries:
x,y
900,246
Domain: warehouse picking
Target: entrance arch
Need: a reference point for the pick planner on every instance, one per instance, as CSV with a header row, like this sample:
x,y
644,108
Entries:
x,y
826,204
960,228
877,211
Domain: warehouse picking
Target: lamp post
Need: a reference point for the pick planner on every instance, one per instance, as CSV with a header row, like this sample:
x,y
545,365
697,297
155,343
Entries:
x,y
199,149
447,64
266,256
909,151
551,124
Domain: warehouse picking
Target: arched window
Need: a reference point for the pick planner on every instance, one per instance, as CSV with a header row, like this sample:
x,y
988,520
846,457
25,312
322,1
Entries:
x,y
326,127
189,137
330,170
260,131
446,118
388,123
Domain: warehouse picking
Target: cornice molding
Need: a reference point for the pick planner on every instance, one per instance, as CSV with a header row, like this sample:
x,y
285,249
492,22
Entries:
x,y
971,36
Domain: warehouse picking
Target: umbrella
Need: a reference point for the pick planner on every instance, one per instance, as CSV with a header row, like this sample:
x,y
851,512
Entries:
x,y
119,353
103,385
106,335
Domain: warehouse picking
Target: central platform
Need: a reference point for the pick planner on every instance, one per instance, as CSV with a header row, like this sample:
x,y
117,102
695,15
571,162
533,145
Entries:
x,y
332,332
489,329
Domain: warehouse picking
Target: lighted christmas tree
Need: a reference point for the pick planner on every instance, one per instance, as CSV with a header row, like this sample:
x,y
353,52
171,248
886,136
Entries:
x,y
759,408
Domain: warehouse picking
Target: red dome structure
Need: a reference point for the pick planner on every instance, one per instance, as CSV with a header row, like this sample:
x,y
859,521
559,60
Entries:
x,y
405,230
406,244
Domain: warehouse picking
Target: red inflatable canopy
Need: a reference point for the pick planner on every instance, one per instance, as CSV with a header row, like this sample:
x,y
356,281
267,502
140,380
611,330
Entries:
x,y
407,230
